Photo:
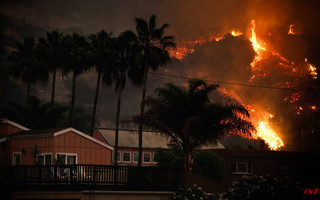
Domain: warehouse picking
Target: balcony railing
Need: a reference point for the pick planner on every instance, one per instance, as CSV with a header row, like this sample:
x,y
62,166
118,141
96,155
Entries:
x,y
93,177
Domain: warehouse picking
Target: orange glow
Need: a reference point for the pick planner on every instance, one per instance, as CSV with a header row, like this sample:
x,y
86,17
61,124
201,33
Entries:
x,y
236,33
311,69
258,48
187,47
260,119
265,132
291,30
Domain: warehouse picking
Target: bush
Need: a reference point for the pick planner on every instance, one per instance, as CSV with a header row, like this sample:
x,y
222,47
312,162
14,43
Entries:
x,y
195,193
168,158
262,188
208,164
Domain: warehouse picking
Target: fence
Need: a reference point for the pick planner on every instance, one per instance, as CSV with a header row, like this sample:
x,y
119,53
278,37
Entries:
x,y
95,176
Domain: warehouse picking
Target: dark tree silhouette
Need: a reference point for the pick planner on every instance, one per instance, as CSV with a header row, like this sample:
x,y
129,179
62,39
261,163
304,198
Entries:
x,y
190,119
76,63
152,52
24,65
125,67
102,55
53,55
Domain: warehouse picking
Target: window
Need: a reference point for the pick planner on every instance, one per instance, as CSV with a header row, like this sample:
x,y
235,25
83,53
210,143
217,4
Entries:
x,y
146,157
135,157
44,159
242,168
16,158
66,159
153,158
126,157
118,157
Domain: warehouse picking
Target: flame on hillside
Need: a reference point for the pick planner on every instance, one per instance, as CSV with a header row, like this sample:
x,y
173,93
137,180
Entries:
x,y
261,69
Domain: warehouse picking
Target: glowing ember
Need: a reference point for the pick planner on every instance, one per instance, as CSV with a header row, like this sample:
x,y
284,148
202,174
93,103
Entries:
x,y
187,47
312,70
291,30
236,33
265,132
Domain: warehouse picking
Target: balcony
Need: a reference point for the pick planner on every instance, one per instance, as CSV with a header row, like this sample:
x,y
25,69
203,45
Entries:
x,y
93,177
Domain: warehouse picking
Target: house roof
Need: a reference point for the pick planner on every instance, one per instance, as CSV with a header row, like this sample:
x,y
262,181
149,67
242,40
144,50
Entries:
x,y
150,139
6,121
53,133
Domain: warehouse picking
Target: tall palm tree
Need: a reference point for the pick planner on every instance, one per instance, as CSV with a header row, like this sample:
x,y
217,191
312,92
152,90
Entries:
x,y
25,65
77,62
190,119
53,55
152,47
102,55
125,67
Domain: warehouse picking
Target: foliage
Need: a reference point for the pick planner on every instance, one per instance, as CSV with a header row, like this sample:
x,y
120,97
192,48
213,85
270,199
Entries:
x,y
208,164
262,188
195,193
189,118
168,158
44,115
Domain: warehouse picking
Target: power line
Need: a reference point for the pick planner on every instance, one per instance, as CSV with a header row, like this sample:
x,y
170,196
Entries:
x,y
233,83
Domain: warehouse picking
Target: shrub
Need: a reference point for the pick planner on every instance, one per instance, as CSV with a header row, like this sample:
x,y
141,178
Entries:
x,y
208,164
195,193
262,188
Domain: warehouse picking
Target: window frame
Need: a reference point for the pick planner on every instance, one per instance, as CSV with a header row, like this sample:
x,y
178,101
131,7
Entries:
x,y
143,156
44,158
133,153
66,159
13,158
119,157
153,158
129,157
241,163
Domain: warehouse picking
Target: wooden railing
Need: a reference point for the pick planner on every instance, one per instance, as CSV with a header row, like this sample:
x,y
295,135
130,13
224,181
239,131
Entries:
x,y
97,176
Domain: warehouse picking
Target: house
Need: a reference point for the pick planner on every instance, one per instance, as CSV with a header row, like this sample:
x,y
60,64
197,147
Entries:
x,y
50,146
128,145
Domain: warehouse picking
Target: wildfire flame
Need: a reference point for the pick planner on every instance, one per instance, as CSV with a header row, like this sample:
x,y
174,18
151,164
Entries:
x,y
312,70
291,30
259,118
187,47
265,132
258,48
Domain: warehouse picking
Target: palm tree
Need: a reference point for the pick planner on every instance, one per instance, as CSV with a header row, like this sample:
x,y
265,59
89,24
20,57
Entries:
x,y
25,64
190,119
76,63
53,55
152,47
102,55
125,67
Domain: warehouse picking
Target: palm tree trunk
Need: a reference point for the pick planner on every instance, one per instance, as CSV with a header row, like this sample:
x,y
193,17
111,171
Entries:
x,y
53,85
140,126
119,92
95,102
28,94
72,98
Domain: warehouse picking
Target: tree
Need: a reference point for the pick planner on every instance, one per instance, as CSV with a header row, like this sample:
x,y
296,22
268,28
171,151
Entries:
x,y
53,55
190,119
208,164
76,63
125,67
25,64
152,51
102,55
